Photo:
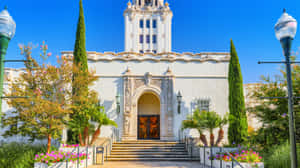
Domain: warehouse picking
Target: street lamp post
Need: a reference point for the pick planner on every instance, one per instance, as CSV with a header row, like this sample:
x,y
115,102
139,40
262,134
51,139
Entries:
x,y
285,30
7,32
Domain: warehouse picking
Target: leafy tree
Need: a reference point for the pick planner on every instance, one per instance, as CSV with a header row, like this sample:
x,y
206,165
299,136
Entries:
x,y
206,120
238,126
196,121
44,113
273,113
102,120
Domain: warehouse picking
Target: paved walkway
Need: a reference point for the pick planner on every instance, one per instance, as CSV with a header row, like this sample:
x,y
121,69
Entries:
x,y
150,164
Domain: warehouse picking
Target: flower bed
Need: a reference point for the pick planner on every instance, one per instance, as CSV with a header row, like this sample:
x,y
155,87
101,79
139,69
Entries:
x,y
58,158
247,158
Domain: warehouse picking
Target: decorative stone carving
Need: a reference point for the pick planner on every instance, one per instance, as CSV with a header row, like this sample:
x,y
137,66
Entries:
x,y
138,83
148,78
134,87
156,82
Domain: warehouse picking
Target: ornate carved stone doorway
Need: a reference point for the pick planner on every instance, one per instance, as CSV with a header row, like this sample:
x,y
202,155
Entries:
x,y
148,117
134,87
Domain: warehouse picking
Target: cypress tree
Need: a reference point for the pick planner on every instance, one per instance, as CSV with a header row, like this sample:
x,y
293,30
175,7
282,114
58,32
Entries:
x,y
238,125
80,55
79,60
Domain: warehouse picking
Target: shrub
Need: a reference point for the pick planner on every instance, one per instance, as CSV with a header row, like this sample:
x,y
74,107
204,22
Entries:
x,y
279,157
19,155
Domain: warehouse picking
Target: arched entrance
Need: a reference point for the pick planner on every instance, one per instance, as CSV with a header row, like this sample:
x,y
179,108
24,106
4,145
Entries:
x,y
148,117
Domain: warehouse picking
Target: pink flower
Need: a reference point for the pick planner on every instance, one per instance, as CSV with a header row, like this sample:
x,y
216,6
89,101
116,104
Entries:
x,y
49,54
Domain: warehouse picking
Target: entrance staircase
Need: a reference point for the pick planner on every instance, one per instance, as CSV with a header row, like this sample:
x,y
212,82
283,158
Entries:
x,y
149,150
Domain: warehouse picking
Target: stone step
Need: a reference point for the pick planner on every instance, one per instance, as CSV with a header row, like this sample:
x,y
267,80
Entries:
x,y
143,145
149,156
148,142
147,153
152,159
149,147
149,150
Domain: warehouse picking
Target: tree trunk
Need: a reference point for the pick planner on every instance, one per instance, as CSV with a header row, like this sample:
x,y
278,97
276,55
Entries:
x,y
203,139
212,139
86,135
80,139
220,136
95,135
49,143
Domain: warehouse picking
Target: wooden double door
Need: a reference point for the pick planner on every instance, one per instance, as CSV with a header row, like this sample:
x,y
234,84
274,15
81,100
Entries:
x,y
148,127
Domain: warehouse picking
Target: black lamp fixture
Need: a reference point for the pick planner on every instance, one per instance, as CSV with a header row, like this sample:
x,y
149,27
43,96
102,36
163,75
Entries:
x,y
285,30
118,100
179,100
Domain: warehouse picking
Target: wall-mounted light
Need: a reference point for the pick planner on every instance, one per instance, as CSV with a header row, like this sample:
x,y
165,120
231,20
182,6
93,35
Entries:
x,y
179,100
118,100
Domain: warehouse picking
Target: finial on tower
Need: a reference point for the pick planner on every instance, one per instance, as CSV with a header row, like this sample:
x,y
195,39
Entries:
x,y
284,10
5,7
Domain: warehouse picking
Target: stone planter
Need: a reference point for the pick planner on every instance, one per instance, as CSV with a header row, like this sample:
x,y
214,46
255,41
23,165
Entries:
x,y
59,165
40,165
252,165
245,165
206,152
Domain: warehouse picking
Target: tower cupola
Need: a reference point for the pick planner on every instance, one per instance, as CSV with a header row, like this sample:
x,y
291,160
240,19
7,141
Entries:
x,y
148,26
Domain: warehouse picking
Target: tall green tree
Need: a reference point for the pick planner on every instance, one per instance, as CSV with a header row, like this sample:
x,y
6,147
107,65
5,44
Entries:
x,y
79,60
238,125
80,55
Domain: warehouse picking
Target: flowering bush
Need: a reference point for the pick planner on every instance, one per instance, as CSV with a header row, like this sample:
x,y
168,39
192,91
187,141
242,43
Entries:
x,y
59,156
70,146
248,156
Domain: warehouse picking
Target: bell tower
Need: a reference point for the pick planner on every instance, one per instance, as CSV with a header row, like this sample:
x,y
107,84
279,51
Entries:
x,y
148,26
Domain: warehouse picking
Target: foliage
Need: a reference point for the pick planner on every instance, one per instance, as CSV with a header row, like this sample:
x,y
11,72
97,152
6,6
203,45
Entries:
x,y
279,156
87,108
19,155
237,131
248,156
79,86
273,113
80,55
205,120
59,156
44,113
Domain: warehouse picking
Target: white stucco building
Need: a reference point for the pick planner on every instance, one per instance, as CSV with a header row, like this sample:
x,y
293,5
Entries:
x,y
148,77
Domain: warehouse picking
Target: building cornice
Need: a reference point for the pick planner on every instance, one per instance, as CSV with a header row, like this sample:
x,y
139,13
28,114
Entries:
x,y
169,57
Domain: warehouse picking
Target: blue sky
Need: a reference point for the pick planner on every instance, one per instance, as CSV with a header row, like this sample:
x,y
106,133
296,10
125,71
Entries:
x,y
198,26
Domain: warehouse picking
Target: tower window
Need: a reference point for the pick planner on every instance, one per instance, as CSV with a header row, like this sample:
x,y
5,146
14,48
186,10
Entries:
x,y
141,51
148,39
154,39
154,51
141,23
141,39
154,23
148,23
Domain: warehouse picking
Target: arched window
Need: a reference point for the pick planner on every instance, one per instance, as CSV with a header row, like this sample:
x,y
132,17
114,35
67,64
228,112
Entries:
x,y
140,3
